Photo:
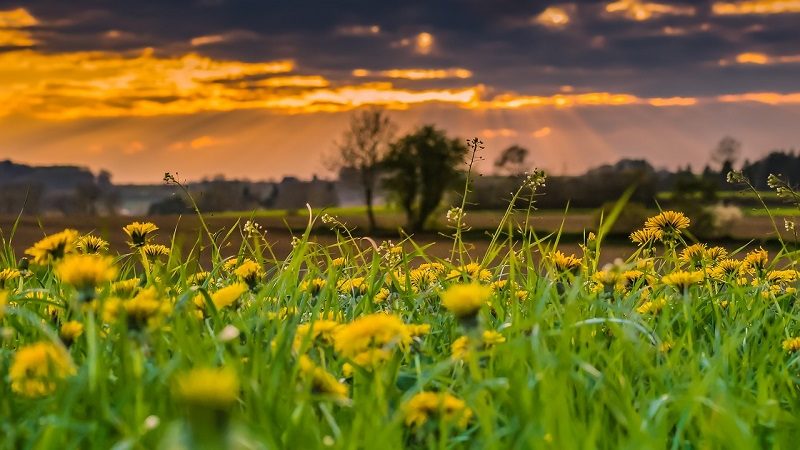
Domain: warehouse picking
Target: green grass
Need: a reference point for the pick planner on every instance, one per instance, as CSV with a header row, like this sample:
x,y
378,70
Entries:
x,y
581,365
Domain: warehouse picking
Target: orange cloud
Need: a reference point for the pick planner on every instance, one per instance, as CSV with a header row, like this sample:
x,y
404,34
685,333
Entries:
x,y
760,59
756,7
553,17
12,28
197,143
415,74
542,132
643,10
490,133
771,98
672,101
207,40
423,43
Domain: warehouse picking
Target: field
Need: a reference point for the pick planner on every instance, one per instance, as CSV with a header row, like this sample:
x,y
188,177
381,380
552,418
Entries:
x,y
209,332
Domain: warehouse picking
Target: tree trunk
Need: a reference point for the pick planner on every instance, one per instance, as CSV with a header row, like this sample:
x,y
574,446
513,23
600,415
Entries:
x,y
368,194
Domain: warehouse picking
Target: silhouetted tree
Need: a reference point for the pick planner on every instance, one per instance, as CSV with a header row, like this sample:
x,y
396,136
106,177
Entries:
x,y
362,147
421,167
512,161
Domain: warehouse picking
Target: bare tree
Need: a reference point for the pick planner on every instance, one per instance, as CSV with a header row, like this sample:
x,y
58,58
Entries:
x,y
363,147
726,153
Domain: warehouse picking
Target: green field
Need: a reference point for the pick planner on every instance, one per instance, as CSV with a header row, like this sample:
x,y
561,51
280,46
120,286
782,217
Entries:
x,y
342,344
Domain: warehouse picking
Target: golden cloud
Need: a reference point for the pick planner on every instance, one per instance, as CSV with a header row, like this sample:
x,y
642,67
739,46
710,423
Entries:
x,y
760,59
642,10
490,133
415,74
756,7
12,24
542,132
770,98
553,17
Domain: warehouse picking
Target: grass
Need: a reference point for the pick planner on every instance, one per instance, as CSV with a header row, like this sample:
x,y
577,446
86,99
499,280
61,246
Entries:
x,y
663,349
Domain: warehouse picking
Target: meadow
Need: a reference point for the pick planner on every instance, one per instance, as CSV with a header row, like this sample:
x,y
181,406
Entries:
x,y
338,341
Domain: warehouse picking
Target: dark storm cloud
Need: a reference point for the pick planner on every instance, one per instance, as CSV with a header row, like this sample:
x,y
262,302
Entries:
x,y
669,54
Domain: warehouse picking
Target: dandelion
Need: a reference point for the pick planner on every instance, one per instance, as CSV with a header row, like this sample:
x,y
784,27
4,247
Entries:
x,y
646,236
669,222
382,295
564,263
139,232
322,382
145,308
90,244
417,330
726,270
492,338
694,255
471,271
339,262
250,272
126,288
465,300
426,406
38,368
154,251
652,306
212,388
7,276
352,286
716,254
53,247
322,331
198,278
682,279
460,349
70,331
313,286
3,303
756,262
224,297
369,332
791,345
86,272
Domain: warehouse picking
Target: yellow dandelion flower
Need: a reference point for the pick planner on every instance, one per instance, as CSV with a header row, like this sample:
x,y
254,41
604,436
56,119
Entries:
x,y
53,247
460,348
646,236
70,331
791,345
352,286
339,262
86,272
155,251
726,269
37,369
716,254
682,279
756,261
417,330
322,382
3,303
145,307
564,263
465,300
426,406
126,288
89,244
139,232
694,255
250,272
652,306
669,222
665,346
313,286
492,338
782,276
7,276
198,278
367,332
213,388
471,271
224,297
321,331
381,296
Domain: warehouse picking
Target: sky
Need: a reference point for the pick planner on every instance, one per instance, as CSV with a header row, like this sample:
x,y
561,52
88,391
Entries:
x,y
262,89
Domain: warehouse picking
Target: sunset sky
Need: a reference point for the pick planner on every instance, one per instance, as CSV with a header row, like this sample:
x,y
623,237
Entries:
x,y
259,89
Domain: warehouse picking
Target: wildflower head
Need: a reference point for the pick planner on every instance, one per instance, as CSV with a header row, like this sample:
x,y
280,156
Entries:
x,y
321,331
224,297
86,272
564,263
465,300
352,286
428,406
791,345
70,331
38,368
196,279
471,272
382,331
250,272
89,244
694,255
145,308
53,247
313,286
756,262
646,236
682,279
155,251
211,388
669,222
322,382
8,276
139,232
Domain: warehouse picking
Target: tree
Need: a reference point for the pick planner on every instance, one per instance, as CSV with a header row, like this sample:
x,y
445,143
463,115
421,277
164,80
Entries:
x,y
363,147
421,166
726,152
512,161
